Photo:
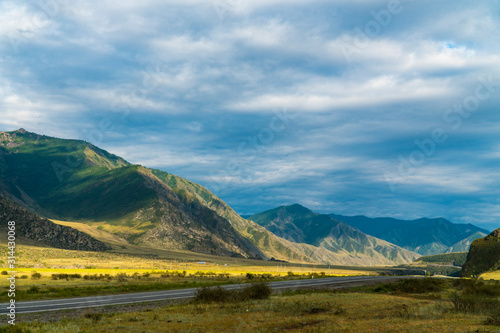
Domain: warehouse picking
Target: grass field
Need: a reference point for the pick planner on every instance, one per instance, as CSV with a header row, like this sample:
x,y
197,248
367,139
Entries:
x,y
299,311
495,275
44,273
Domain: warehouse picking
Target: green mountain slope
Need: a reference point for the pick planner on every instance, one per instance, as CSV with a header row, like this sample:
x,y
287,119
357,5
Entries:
x,y
424,236
75,181
484,255
299,224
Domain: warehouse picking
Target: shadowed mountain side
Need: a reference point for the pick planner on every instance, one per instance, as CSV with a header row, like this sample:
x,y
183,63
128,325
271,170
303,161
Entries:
x,y
45,232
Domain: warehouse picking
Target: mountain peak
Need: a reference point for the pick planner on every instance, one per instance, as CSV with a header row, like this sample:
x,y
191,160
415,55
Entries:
x,y
296,209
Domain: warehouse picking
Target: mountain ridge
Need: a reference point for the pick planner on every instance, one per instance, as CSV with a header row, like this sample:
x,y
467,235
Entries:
x,y
425,236
299,224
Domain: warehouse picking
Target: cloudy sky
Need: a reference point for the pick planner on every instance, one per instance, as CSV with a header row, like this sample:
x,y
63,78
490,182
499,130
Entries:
x,y
380,108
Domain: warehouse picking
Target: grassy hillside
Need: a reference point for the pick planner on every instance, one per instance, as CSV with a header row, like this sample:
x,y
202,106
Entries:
x,y
455,259
484,255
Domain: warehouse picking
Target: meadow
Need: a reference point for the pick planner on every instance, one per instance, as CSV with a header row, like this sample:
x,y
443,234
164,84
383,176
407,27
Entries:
x,y
414,306
44,273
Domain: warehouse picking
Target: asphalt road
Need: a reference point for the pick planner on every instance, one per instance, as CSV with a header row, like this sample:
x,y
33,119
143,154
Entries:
x,y
96,301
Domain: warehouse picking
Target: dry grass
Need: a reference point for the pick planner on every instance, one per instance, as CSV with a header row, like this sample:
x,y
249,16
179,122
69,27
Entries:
x,y
313,312
491,275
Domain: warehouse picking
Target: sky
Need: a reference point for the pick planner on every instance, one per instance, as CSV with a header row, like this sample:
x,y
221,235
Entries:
x,y
353,107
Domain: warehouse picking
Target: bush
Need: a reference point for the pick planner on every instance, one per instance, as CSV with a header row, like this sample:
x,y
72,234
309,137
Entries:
x,y
494,317
307,308
5,273
414,286
477,297
468,303
36,276
250,276
256,291
212,295
33,290
220,295
94,316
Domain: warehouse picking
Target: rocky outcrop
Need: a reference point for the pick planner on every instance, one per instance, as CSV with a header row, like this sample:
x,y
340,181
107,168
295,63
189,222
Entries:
x,y
45,232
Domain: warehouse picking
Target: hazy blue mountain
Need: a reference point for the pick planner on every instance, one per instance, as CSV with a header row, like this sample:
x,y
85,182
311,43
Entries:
x,y
301,225
424,236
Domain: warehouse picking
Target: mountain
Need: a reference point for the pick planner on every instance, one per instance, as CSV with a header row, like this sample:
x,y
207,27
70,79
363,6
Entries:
x,y
301,225
44,232
424,236
484,255
72,180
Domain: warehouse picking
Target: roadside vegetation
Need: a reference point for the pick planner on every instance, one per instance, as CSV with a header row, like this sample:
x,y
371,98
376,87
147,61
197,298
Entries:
x,y
411,305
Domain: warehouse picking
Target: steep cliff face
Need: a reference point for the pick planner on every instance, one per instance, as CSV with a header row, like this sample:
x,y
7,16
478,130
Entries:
x,y
484,255
44,231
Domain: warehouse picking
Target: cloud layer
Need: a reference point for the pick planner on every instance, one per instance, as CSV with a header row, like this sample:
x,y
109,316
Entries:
x,y
354,107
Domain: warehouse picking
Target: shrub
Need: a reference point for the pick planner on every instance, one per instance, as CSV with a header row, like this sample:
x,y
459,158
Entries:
x,y
494,317
33,290
94,316
5,273
219,294
256,291
307,308
250,276
416,286
121,277
212,295
477,297
468,303
36,276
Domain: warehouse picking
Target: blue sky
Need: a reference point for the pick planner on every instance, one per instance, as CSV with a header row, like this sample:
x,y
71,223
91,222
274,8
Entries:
x,y
380,108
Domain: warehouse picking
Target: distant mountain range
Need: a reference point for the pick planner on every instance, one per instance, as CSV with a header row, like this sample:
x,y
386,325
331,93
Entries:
x,y
301,225
424,236
72,180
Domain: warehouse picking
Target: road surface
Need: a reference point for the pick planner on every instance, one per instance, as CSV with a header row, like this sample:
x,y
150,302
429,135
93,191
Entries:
x,y
96,301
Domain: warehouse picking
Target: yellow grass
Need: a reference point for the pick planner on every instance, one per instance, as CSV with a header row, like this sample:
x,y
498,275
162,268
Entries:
x,y
92,230
495,275
133,258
